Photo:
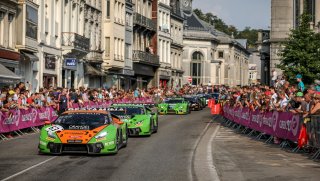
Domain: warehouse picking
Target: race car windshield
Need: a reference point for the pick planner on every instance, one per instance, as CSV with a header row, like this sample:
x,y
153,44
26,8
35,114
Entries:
x,y
82,121
174,101
128,111
190,99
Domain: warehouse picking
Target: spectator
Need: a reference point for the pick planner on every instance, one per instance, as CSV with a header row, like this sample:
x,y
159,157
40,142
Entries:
x,y
300,83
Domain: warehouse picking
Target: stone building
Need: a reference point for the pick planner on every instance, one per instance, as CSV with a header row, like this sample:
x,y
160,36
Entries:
x,y
164,42
10,58
210,56
285,16
176,43
27,37
145,53
113,40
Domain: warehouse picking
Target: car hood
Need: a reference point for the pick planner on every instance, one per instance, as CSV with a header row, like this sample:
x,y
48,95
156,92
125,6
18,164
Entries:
x,y
77,136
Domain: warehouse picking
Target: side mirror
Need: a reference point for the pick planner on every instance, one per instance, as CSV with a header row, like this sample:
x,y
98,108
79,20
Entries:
x,y
47,123
120,122
117,121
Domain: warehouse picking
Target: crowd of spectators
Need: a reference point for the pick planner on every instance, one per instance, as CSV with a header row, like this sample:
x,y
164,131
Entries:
x,y
282,96
20,97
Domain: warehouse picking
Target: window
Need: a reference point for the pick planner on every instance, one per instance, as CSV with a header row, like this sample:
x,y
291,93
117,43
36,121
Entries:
x,y
195,68
220,54
311,9
108,9
2,14
107,47
32,22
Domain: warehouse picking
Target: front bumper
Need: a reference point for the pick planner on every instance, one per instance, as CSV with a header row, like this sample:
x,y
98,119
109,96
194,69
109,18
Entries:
x,y
93,148
138,132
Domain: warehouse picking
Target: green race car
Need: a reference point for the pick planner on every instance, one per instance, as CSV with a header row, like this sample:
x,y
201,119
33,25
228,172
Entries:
x,y
83,131
174,106
141,120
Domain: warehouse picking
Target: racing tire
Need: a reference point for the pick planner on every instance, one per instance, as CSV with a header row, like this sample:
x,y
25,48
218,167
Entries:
x,y
151,127
118,145
127,136
156,127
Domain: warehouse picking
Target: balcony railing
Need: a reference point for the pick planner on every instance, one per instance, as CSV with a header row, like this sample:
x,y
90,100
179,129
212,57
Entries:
x,y
145,57
76,41
144,21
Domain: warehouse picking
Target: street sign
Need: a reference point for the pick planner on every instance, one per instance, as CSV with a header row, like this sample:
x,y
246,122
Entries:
x,y
190,79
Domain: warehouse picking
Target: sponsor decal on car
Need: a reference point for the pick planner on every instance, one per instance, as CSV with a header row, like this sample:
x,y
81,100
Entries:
x,y
109,143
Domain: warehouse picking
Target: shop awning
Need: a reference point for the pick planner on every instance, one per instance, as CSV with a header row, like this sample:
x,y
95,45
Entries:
x,y
7,76
90,70
30,57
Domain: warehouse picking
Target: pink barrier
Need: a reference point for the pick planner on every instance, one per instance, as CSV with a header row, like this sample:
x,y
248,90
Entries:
x,y
20,119
284,125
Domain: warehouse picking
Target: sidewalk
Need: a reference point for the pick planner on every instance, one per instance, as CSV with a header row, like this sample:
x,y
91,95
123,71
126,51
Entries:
x,y
239,157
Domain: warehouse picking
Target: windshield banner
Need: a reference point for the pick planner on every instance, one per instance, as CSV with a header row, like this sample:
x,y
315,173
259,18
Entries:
x,y
284,125
24,118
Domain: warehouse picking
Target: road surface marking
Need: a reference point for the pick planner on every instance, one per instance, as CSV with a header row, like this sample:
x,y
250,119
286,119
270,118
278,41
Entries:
x,y
194,150
202,166
212,168
25,170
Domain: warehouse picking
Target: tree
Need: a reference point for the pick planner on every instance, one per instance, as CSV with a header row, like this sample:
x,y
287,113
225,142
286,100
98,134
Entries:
x,y
250,34
301,53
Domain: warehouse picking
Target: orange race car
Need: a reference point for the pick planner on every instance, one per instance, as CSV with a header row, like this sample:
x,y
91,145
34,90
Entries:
x,y
84,131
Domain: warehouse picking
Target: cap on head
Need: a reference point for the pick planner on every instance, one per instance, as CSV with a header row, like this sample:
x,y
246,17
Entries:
x,y
298,76
299,94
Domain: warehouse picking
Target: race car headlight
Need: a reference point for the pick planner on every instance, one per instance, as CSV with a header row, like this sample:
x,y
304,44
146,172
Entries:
x,y
101,135
139,123
180,107
52,134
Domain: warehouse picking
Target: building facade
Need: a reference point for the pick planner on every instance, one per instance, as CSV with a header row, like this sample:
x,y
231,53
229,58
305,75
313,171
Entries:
x,y
284,17
145,53
10,58
164,43
176,44
27,37
210,56
92,62
113,41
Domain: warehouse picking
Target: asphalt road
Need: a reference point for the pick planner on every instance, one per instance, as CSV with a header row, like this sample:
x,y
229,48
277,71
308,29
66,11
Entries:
x,y
191,147
166,155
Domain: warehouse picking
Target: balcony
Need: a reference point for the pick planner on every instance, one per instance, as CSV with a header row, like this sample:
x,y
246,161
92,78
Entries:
x,y
145,57
75,43
143,21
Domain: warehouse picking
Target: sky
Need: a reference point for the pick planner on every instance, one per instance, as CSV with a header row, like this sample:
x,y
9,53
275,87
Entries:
x,y
240,13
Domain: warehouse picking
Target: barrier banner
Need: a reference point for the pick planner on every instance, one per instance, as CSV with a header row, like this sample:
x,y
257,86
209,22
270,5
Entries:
x,y
20,118
16,119
283,125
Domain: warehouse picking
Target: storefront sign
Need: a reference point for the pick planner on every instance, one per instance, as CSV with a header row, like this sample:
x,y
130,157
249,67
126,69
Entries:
x,y
71,62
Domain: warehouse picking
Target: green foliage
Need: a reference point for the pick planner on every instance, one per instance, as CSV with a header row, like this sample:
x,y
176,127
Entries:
x,y
301,52
250,34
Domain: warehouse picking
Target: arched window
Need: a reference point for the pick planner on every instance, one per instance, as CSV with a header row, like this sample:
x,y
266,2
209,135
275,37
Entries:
x,y
195,68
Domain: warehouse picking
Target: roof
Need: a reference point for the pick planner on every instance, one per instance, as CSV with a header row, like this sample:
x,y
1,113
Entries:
x,y
194,21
